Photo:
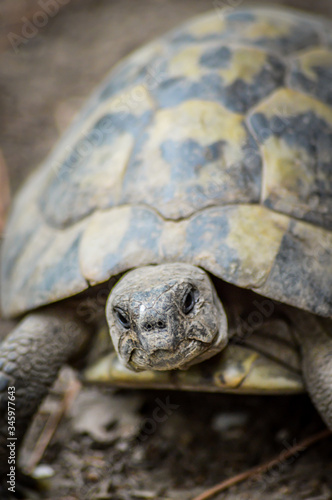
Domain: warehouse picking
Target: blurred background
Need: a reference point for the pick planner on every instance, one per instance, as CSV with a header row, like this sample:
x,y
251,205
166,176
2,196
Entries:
x,y
52,55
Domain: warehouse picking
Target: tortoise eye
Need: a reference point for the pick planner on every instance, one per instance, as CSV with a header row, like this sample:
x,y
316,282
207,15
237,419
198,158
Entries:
x,y
122,318
188,301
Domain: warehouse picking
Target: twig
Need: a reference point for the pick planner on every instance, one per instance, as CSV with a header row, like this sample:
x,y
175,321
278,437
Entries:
x,y
260,469
51,426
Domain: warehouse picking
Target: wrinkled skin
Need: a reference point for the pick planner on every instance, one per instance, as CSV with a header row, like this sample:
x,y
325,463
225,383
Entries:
x,y
166,317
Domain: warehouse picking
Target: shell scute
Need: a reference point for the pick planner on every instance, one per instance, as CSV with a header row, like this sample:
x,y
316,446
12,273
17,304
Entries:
x,y
56,275
118,239
295,134
301,273
89,174
192,156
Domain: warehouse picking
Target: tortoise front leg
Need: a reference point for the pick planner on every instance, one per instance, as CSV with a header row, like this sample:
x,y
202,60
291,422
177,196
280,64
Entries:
x,y
30,358
315,339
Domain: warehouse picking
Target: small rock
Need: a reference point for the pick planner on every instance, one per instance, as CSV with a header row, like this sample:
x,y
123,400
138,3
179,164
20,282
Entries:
x,y
43,471
225,421
144,494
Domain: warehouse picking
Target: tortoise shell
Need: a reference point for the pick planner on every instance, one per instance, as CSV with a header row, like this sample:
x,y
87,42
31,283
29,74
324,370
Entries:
x,y
212,146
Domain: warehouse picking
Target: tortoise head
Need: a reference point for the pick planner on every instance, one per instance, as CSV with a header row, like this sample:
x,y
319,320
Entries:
x,y
165,317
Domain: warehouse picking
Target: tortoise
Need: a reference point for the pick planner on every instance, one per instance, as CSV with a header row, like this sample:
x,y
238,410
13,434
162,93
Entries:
x,y
187,212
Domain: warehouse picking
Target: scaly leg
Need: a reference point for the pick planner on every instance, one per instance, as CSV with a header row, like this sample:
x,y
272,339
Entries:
x,y
315,339
30,358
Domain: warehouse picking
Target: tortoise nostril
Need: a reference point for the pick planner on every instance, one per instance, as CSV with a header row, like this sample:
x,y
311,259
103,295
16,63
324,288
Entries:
x,y
151,325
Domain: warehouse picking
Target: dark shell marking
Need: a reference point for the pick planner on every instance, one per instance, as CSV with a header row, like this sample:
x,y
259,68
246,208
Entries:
x,y
208,146
234,81
311,72
295,134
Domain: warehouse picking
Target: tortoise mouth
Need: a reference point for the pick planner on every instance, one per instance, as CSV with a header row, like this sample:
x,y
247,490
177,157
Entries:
x,y
163,359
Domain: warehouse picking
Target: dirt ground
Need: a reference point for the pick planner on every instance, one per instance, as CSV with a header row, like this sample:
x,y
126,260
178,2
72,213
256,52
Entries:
x,y
108,445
